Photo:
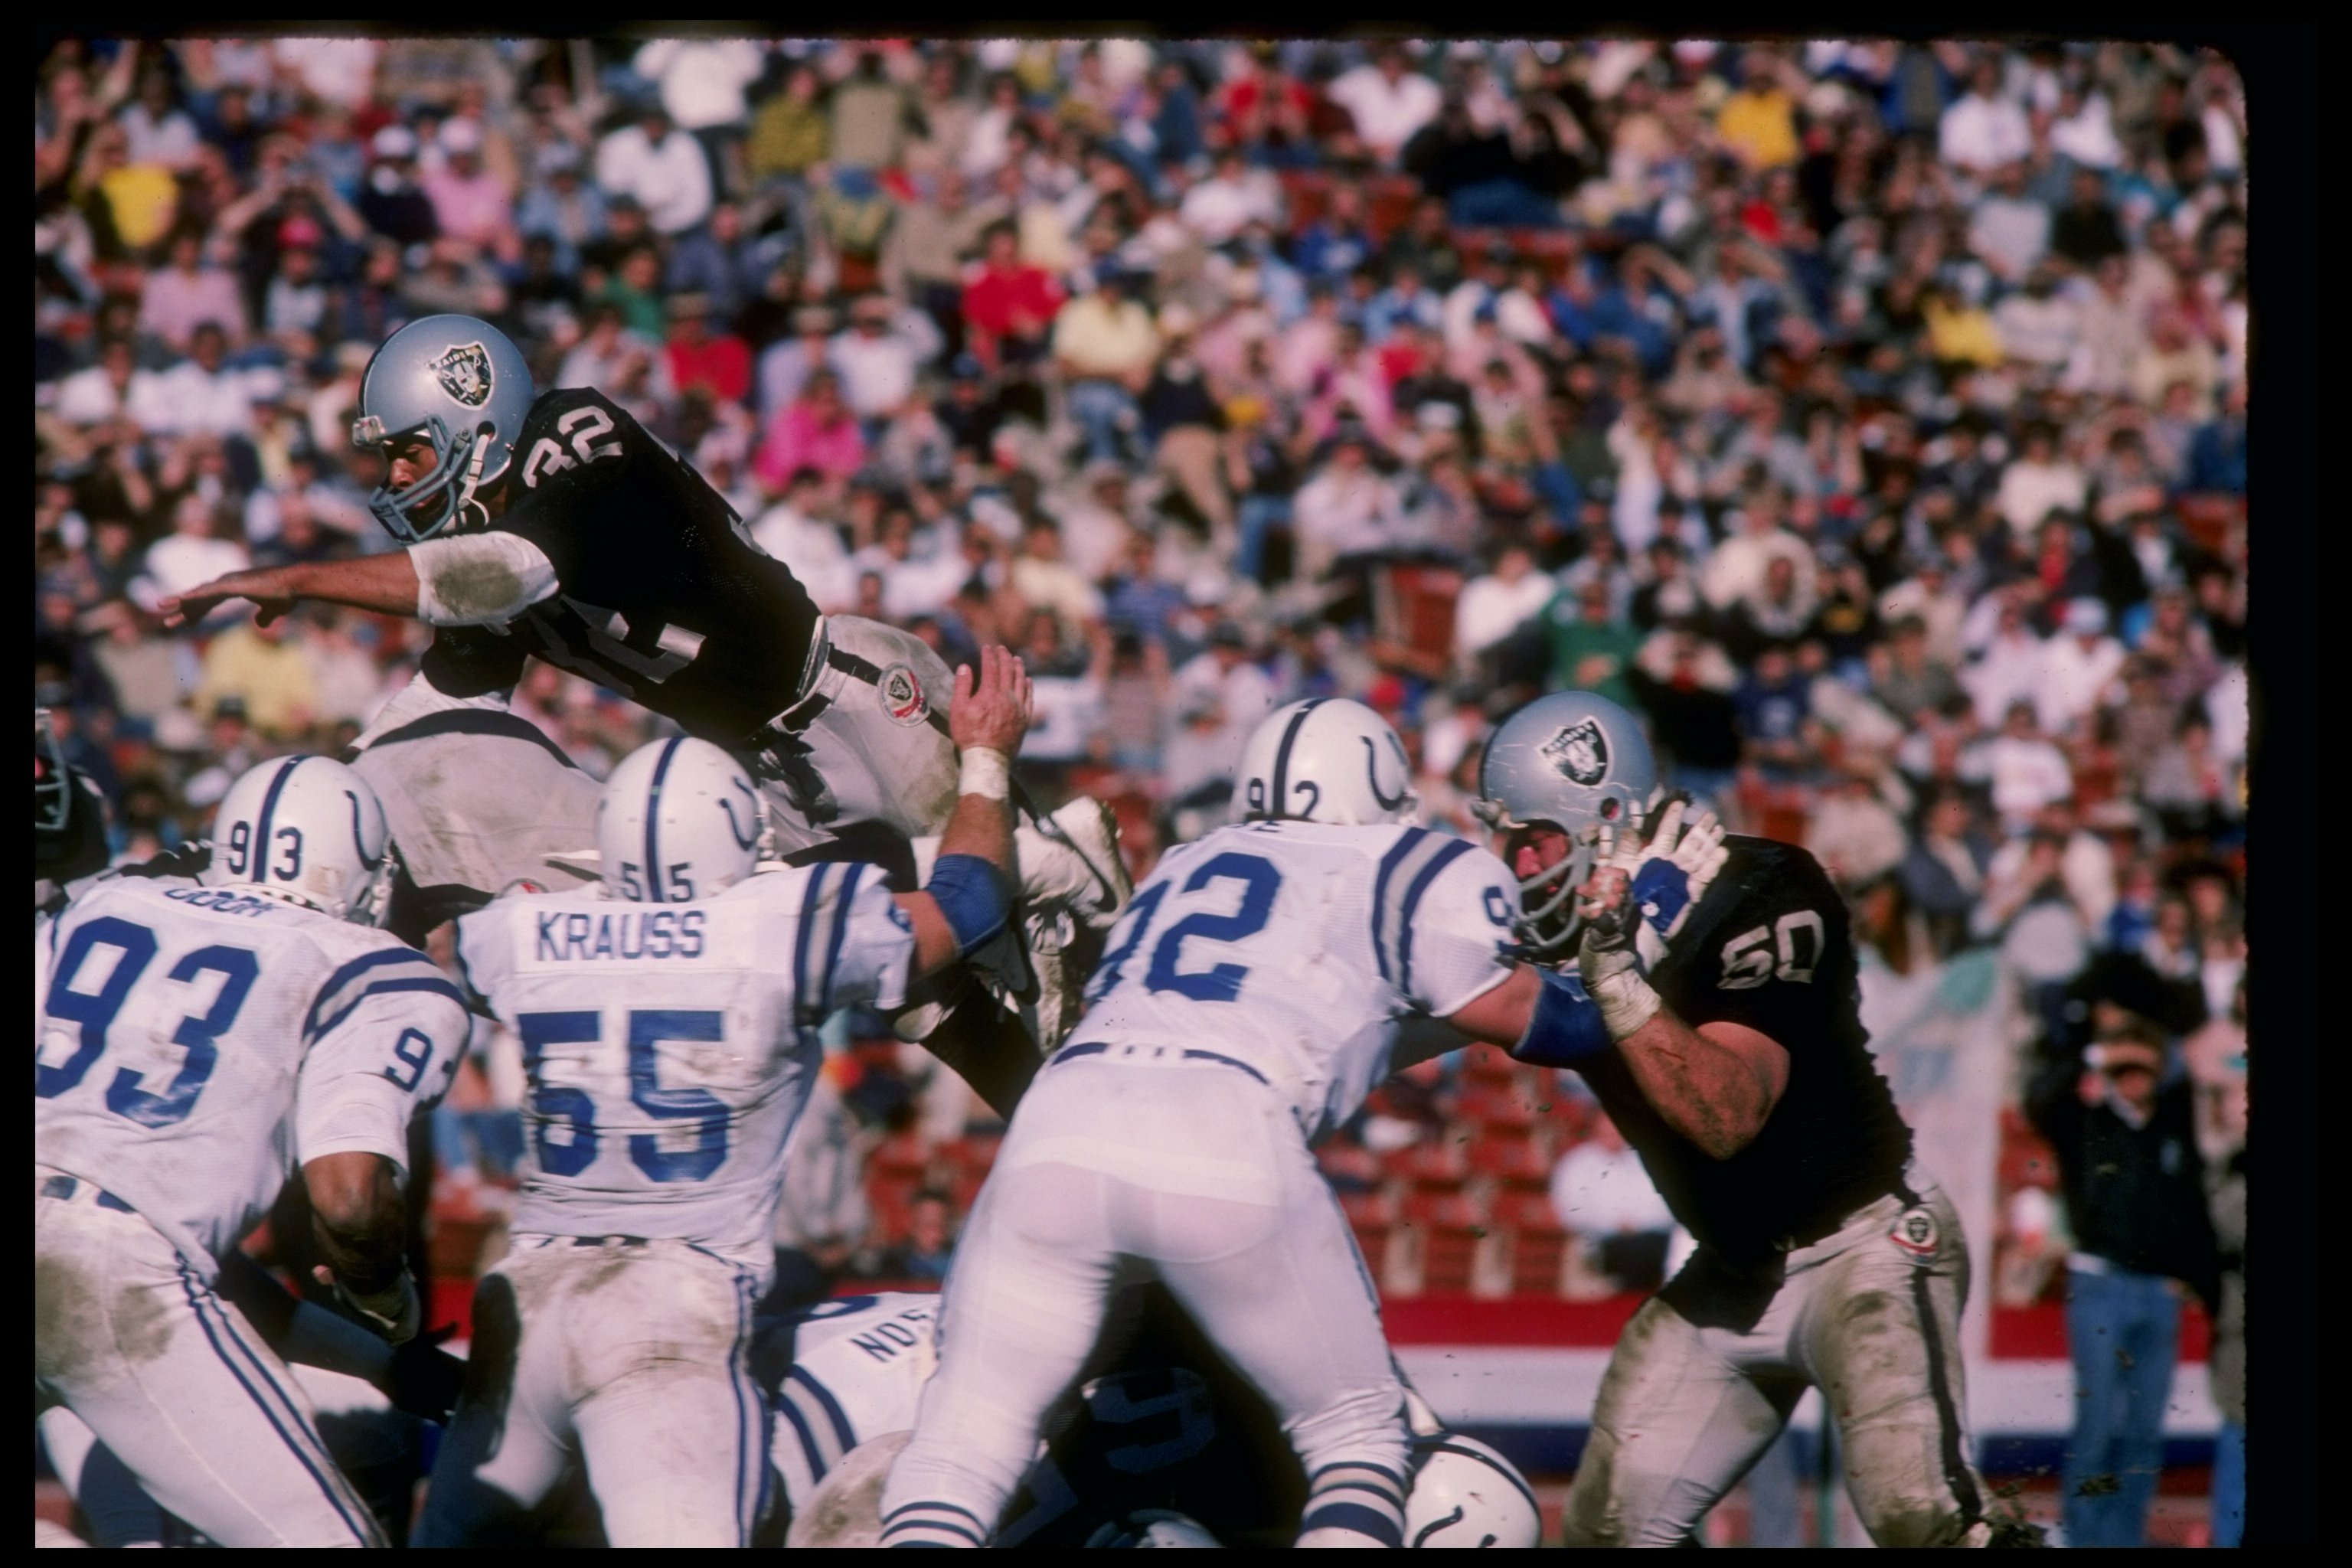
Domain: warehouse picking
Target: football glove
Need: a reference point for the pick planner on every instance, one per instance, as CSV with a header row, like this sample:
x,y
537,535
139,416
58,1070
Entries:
x,y
1670,874
1606,960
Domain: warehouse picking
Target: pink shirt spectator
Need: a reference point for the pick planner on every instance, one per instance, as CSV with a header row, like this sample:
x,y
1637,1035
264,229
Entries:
x,y
475,208
800,438
176,302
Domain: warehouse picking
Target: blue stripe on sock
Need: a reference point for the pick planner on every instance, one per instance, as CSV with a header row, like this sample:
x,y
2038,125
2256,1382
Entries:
x,y
1387,1529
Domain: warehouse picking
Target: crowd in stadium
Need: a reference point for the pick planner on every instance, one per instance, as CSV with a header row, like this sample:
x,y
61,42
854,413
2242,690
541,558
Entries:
x,y
1870,417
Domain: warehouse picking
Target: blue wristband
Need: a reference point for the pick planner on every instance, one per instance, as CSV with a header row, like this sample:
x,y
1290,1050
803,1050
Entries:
x,y
971,896
1660,889
1566,1028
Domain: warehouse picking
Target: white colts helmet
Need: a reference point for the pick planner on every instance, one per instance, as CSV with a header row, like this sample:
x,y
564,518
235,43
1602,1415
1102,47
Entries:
x,y
1324,760
1466,1494
680,819
308,829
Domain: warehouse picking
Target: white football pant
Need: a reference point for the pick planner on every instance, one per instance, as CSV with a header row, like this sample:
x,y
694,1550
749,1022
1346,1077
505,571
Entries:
x,y
1140,1161
174,1382
630,1358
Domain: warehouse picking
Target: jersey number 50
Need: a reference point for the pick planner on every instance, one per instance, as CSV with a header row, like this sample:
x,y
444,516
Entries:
x,y
1747,962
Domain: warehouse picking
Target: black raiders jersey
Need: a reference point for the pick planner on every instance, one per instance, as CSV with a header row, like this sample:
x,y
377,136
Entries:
x,y
659,595
1767,946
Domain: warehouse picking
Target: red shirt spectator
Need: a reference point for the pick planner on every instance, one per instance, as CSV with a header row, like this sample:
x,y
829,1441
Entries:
x,y
721,364
1008,299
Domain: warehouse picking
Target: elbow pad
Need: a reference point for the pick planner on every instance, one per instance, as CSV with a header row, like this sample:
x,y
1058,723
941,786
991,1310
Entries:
x,y
972,897
1566,1028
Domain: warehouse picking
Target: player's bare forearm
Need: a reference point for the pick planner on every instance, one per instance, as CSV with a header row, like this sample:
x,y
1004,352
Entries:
x,y
359,1219
384,583
1709,1084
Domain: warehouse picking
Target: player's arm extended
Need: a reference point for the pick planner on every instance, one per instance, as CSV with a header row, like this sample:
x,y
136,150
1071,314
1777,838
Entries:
x,y
968,899
1714,1085
465,580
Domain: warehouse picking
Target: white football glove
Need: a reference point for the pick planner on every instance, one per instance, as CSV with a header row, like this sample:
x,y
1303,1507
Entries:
x,y
1605,959
1671,874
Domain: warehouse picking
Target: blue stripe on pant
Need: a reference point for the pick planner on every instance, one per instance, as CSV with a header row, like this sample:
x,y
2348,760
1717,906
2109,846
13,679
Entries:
x,y
283,1413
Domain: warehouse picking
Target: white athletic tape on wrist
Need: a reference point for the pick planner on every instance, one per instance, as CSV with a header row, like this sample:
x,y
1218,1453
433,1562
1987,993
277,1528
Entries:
x,y
1625,999
985,772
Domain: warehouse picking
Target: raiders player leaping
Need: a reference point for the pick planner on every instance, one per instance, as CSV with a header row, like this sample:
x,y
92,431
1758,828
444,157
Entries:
x,y
554,526
1721,1034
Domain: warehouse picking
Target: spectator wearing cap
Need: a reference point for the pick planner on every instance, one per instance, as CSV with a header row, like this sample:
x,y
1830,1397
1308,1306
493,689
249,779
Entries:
x,y
786,365
179,298
392,202
2080,669
1105,343
469,202
1388,100
661,167
1347,508
2125,1133
1406,299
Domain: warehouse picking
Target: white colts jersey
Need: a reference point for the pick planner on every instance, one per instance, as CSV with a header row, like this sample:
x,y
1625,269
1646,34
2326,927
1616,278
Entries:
x,y
859,1364
1291,949
194,1044
671,1047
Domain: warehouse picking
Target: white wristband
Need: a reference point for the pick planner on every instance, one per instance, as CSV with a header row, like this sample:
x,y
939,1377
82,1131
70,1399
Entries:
x,y
986,773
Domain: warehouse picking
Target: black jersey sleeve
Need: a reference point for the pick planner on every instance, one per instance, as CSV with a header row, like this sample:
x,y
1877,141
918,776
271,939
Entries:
x,y
472,661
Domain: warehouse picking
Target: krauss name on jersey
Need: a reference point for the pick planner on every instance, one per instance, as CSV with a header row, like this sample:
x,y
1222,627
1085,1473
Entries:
x,y
657,934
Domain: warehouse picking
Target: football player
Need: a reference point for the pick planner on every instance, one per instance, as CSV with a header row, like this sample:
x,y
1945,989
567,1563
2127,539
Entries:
x,y
553,526
1721,1035
1169,1429
1251,997
196,1043
668,1020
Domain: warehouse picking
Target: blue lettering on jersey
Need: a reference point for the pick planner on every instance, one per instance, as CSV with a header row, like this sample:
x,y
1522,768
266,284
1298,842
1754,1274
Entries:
x,y
663,933
884,1342
221,900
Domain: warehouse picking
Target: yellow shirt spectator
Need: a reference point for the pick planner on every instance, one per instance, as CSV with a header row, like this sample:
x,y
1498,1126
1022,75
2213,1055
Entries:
x,y
268,671
1759,125
1097,337
142,198
1960,333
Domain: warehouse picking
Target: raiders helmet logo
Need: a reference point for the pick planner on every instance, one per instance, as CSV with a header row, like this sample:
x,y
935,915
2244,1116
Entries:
x,y
1580,753
465,374
902,696
1916,1233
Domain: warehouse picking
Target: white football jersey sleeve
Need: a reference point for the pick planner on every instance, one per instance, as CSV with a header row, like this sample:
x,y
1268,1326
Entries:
x,y
194,1044
670,1046
1291,949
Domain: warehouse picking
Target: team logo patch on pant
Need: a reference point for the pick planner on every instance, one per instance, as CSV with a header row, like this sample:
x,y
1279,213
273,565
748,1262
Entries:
x,y
902,695
1917,1234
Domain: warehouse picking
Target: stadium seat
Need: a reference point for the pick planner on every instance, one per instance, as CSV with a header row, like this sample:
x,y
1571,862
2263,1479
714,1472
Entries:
x,y
1449,1228
1539,1242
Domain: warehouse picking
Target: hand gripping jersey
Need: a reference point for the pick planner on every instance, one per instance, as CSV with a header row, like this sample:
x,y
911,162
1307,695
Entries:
x,y
1769,947
658,595
194,1044
670,1046
1329,935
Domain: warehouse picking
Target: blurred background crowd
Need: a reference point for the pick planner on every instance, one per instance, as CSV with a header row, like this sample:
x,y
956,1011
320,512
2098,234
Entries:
x,y
1870,417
